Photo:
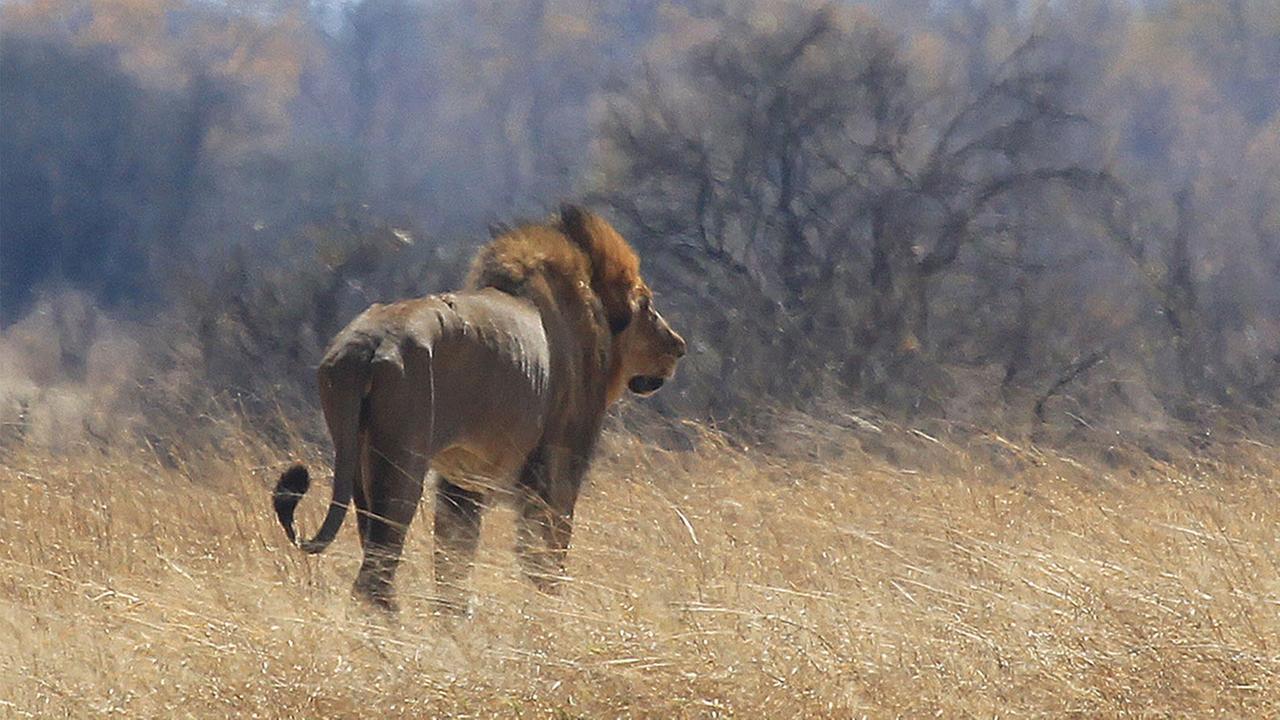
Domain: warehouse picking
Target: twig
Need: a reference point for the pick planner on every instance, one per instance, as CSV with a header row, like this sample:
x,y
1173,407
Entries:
x,y
1074,371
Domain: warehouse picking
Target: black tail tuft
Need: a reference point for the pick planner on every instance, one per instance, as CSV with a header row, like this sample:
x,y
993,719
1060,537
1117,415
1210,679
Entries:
x,y
292,486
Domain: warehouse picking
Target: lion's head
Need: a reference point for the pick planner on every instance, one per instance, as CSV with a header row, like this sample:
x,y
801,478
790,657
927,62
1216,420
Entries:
x,y
645,348
645,351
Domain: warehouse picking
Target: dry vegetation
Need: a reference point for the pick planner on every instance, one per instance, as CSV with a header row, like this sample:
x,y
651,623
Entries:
x,y
973,577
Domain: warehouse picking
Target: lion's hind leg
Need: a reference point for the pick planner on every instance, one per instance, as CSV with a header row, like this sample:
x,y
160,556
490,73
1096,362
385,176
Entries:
x,y
394,488
394,470
457,535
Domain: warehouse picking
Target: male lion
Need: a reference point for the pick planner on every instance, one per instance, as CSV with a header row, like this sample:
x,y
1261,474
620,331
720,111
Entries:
x,y
500,388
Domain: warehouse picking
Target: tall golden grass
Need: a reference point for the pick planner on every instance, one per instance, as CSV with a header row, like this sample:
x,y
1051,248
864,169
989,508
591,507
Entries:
x,y
974,578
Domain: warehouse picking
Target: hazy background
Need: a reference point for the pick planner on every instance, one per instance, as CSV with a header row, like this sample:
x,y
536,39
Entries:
x,y
1061,217
977,418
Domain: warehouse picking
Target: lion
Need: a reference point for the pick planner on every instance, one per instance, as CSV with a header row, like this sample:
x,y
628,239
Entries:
x,y
500,389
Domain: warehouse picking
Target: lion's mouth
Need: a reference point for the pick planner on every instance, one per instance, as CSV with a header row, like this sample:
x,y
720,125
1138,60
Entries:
x,y
645,384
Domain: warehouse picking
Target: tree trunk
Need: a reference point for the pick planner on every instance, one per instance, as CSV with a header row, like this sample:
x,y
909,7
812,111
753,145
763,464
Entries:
x,y
1182,312
899,314
1019,355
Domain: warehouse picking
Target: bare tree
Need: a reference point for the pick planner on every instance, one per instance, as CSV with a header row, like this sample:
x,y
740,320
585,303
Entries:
x,y
803,155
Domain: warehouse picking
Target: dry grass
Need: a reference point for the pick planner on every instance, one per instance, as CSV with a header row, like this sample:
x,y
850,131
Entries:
x,y
985,580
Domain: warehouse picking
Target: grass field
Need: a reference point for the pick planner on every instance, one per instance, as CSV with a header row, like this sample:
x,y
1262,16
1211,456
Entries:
x,y
974,578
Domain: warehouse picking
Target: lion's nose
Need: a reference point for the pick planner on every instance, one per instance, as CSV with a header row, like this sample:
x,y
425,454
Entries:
x,y
681,346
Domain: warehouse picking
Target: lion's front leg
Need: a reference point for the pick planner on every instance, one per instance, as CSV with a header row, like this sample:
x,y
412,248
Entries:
x,y
547,495
457,535
542,541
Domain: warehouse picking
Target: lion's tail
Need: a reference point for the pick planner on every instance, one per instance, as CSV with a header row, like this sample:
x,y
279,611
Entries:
x,y
344,383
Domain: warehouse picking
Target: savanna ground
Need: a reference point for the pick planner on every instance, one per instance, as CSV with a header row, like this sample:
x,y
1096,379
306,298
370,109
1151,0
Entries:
x,y
846,572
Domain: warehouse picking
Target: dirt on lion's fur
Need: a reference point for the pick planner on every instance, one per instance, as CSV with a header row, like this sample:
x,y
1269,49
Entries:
x,y
945,578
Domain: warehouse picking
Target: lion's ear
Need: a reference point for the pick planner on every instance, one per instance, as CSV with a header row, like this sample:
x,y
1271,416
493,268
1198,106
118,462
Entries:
x,y
573,220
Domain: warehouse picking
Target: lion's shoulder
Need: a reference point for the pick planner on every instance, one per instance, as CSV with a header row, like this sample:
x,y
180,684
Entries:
x,y
580,274
542,265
